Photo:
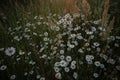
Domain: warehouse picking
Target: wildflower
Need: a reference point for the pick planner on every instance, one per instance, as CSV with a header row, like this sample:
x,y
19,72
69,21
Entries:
x,y
1,49
97,63
80,37
100,28
57,28
87,44
21,53
73,66
68,58
96,44
35,34
77,28
17,38
90,62
71,46
89,57
75,75
96,75
63,63
61,51
10,51
46,33
45,39
92,36
89,49
80,50
28,24
66,69
89,32
93,29
25,74
73,62
72,35
12,77
104,56
56,69
68,49
118,37
41,49
38,23
58,75
116,45
42,78
38,76
31,72
57,64
111,61
76,43
112,38
3,67
35,17
62,57
96,22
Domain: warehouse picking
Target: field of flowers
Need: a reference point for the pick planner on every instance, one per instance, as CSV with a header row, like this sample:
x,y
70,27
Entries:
x,y
57,47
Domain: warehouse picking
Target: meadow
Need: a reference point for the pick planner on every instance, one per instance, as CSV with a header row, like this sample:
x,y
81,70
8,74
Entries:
x,y
58,40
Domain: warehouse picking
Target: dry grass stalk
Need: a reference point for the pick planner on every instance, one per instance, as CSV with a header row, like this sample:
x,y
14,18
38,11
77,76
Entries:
x,y
85,7
105,20
105,14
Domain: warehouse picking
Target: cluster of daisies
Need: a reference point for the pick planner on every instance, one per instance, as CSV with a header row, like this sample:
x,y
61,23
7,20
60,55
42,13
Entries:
x,y
65,48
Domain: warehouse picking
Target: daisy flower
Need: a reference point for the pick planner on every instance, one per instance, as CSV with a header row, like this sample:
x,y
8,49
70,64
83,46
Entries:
x,y
63,63
3,67
68,58
10,51
58,75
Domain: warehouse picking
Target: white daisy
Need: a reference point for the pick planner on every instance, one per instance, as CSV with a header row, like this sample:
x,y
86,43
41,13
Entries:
x,y
75,75
12,77
96,75
73,62
96,44
46,33
57,64
80,51
1,49
96,22
58,76
56,69
61,51
66,69
111,61
10,51
38,76
3,67
25,74
63,63
68,58
73,66
42,78
97,63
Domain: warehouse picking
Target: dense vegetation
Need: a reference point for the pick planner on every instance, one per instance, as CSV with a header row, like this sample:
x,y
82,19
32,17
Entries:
x,y
38,41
